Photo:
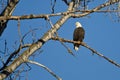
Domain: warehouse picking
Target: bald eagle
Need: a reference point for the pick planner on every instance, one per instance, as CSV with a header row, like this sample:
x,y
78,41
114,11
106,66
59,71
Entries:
x,y
78,35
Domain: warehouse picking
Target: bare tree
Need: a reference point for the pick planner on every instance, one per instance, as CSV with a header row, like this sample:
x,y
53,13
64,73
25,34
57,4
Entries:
x,y
76,9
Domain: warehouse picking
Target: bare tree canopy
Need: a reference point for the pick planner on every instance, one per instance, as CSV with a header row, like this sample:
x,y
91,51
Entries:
x,y
30,33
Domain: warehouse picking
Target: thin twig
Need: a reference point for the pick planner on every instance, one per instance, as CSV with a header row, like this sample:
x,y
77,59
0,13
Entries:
x,y
56,34
46,68
18,73
19,32
13,55
48,19
5,50
68,49
53,6
22,39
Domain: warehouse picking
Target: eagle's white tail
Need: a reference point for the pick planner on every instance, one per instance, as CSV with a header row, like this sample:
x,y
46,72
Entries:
x,y
76,48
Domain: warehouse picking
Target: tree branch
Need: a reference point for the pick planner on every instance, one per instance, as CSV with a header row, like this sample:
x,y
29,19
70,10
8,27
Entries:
x,y
13,55
85,12
7,12
46,68
34,47
45,16
91,49
108,3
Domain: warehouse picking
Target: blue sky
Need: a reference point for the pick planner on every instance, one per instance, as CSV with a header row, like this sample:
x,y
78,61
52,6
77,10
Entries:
x,y
102,34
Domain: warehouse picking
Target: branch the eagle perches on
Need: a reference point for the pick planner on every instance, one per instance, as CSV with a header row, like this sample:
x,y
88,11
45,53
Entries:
x,y
88,47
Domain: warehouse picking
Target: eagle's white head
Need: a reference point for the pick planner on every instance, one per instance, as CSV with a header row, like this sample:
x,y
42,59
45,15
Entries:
x,y
78,24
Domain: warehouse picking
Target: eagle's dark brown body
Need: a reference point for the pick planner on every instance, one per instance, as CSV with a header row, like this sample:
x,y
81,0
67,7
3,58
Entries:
x,y
78,35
